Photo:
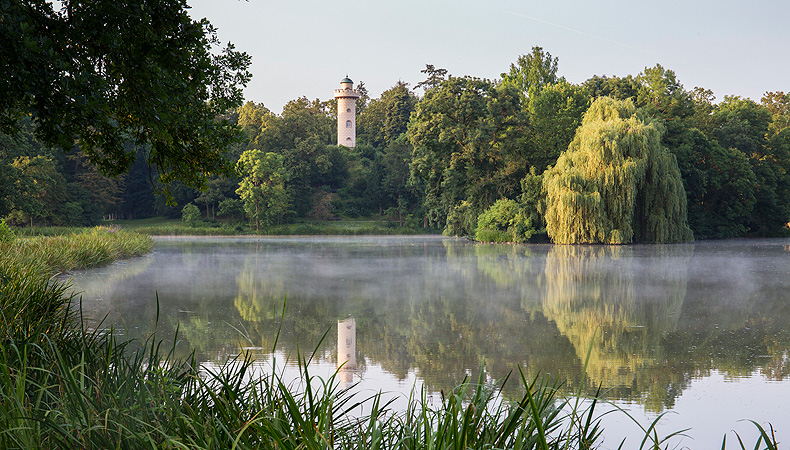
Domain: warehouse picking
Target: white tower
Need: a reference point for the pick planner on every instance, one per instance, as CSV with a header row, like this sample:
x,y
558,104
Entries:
x,y
347,113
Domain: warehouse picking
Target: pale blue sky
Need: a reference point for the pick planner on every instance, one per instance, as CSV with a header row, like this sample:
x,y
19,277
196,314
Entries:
x,y
300,48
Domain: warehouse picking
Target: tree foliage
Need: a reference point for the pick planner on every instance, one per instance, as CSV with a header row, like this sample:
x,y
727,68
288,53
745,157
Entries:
x,y
504,221
618,88
434,77
443,160
659,92
98,74
554,115
532,71
753,130
40,188
262,186
465,135
386,118
616,183
719,183
190,214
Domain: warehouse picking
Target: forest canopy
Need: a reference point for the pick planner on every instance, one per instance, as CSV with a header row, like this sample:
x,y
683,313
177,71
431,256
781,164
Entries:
x,y
493,159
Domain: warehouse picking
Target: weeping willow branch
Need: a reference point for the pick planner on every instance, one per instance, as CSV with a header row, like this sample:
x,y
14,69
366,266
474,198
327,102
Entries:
x,y
616,184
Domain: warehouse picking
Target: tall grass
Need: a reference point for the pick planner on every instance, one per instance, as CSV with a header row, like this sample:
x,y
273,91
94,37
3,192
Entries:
x,y
370,226
75,250
93,391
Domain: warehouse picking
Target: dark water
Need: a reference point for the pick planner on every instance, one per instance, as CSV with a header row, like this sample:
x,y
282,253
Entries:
x,y
700,330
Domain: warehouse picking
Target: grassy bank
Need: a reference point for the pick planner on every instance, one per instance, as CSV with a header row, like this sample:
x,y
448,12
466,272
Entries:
x,y
73,249
173,227
66,387
33,304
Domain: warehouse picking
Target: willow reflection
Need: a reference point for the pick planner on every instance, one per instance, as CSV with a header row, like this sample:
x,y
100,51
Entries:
x,y
602,299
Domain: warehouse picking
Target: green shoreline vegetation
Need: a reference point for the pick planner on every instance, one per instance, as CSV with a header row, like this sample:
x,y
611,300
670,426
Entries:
x,y
612,160
65,386
366,226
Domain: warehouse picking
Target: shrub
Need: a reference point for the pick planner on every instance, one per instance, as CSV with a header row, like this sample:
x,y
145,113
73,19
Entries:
x,y
6,233
461,220
190,213
486,235
504,221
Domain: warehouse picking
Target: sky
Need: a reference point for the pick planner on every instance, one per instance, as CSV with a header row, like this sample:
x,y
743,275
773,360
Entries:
x,y
305,47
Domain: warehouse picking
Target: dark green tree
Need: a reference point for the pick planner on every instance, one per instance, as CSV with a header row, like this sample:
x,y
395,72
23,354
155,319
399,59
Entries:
x,y
362,101
304,135
137,191
703,110
434,77
619,88
217,189
465,135
101,193
386,117
41,190
395,183
262,186
7,177
531,72
253,118
744,125
554,115
660,93
97,74
720,186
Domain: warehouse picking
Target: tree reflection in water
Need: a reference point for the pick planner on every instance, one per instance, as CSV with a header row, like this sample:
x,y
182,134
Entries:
x,y
607,300
656,317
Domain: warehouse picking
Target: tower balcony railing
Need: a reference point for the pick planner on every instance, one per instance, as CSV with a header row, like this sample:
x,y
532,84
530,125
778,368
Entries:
x,y
347,93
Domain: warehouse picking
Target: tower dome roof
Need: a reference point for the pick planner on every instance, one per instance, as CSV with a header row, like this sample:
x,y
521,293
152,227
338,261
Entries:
x,y
346,80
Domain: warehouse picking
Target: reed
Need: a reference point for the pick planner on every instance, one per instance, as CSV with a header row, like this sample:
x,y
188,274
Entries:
x,y
90,247
92,391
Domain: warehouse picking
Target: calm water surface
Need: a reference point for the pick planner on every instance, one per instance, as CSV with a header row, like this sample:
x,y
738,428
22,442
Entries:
x,y
698,330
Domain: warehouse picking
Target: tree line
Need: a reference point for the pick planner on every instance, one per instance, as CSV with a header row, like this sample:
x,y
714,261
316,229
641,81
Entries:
x,y
530,155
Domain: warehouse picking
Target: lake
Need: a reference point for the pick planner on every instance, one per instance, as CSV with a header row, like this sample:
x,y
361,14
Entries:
x,y
699,331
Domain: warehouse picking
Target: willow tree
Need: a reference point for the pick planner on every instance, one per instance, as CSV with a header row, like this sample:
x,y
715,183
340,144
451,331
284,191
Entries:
x,y
616,184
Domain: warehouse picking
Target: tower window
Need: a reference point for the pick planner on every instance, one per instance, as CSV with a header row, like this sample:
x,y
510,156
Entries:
x,y
348,124
348,139
348,110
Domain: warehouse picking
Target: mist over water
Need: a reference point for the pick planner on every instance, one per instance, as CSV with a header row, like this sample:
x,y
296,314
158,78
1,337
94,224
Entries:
x,y
700,329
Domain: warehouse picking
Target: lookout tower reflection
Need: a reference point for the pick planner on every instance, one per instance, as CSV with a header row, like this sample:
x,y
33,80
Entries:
x,y
347,349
